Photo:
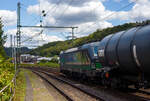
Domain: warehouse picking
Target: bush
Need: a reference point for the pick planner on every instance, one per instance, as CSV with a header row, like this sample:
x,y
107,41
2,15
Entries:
x,y
6,75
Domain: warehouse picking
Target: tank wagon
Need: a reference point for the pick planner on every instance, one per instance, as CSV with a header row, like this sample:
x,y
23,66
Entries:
x,y
125,56
118,60
81,61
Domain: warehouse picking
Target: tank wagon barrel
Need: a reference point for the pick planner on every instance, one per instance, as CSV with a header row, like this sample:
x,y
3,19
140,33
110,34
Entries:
x,y
128,51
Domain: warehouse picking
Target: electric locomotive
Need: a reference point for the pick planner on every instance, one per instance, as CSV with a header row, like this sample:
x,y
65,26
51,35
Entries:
x,y
81,61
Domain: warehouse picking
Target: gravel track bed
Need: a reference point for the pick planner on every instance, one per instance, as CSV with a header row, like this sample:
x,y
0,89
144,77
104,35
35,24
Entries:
x,y
29,89
72,92
105,93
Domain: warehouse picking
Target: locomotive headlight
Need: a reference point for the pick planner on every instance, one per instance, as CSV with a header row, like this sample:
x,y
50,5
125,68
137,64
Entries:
x,y
93,65
101,53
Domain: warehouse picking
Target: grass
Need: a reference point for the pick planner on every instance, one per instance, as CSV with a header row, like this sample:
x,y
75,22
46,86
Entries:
x,y
47,64
20,87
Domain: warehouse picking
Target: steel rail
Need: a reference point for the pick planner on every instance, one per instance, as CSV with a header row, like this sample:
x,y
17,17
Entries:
x,y
74,86
60,91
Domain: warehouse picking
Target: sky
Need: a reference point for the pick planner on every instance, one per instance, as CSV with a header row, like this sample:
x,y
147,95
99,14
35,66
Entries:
x,y
87,15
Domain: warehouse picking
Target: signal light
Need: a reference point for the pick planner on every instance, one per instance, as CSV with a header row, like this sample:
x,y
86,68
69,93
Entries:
x,y
107,75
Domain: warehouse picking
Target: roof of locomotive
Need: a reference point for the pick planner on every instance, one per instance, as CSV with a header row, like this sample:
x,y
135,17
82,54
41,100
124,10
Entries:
x,y
85,46
89,45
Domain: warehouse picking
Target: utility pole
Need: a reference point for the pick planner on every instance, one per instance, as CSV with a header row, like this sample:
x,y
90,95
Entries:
x,y
73,33
18,34
11,46
15,56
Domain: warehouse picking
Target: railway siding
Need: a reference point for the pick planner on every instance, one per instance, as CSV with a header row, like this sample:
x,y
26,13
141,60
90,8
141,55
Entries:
x,y
101,92
73,93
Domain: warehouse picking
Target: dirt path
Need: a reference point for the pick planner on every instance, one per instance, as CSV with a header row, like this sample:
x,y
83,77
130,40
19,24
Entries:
x,y
29,89
39,90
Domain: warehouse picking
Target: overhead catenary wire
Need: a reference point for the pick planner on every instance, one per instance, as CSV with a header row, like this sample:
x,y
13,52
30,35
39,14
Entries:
x,y
58,17
40,14
105,18
32,36
55,6
61,15
52,9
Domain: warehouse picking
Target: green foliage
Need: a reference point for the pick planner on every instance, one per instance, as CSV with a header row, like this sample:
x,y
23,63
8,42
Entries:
x,y
55,59
20,89
6,75
2,41
44,61
9,49
41,64
48,64
54,48
6,68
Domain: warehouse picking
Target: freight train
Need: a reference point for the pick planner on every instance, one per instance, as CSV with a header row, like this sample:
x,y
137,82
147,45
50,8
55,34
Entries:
x,y
118,60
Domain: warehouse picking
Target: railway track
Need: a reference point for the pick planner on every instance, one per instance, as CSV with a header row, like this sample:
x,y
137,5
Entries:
x,y
60,90
141,92
100,94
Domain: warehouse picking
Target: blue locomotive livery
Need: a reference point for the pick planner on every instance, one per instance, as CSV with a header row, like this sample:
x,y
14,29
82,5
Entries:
x,y
81,61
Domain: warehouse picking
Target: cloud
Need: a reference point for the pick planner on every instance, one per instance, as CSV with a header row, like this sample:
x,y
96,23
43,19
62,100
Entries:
x,y
139,12
76,13
31,36
8,17
88,15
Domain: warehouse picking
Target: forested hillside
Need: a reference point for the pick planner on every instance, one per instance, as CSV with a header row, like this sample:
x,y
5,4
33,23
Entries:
x,y
8,50
54,48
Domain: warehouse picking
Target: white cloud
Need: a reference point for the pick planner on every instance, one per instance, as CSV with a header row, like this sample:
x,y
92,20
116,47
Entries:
x,y
88,28
33,35
8,17
79,13
139,12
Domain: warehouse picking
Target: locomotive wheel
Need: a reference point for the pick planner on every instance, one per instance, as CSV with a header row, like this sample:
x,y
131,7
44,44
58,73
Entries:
x,y
114,83
137,86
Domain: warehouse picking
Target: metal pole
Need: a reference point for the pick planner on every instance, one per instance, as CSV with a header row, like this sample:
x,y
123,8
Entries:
x,y
18,34
72,36
72,33
11,46
15,56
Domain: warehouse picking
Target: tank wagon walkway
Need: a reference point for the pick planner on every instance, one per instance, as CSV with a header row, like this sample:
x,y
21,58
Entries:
x,y
39,90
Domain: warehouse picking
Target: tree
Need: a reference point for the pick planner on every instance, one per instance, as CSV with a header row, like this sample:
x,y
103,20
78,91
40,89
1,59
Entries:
x,y
2,42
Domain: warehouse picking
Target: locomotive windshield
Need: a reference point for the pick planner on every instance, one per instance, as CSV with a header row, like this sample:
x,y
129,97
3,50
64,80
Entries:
x,y
95,49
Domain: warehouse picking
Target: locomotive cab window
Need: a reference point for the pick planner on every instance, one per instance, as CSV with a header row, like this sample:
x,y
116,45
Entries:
x,y
95,50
